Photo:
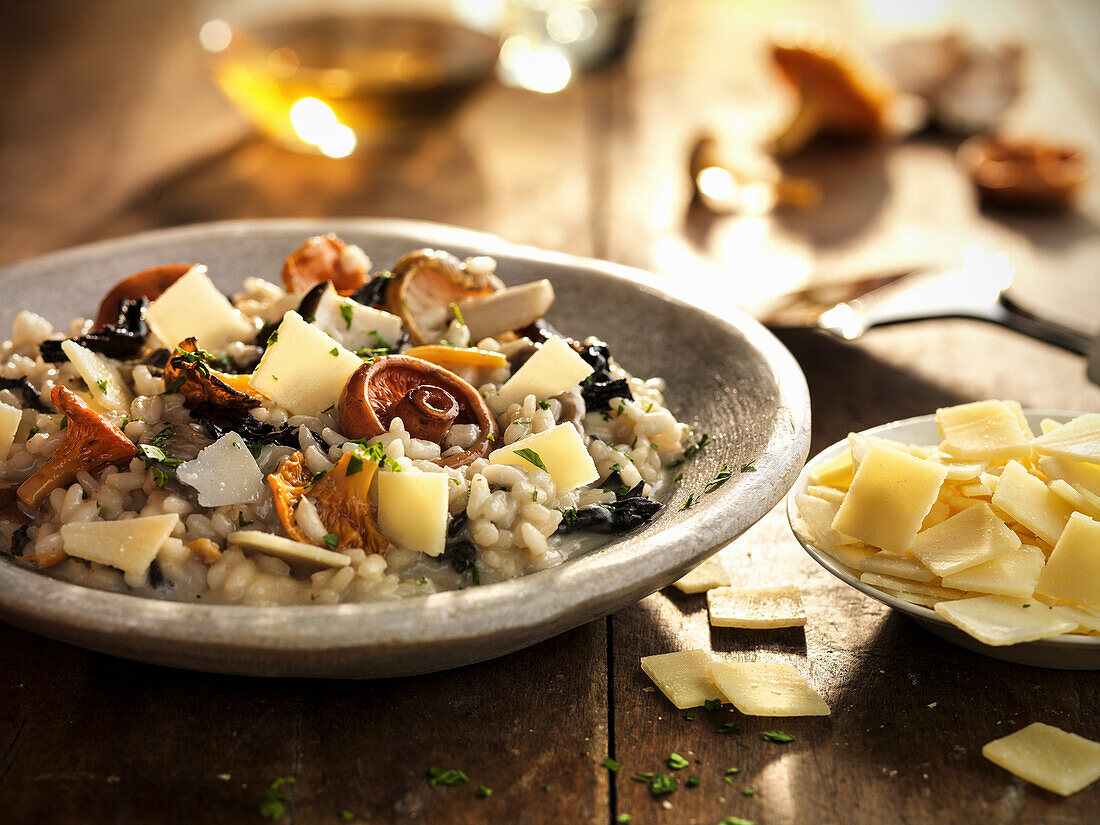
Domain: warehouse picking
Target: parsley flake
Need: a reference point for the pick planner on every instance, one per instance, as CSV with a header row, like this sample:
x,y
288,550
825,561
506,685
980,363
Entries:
x,y
676,762
346,816
355,465
421,581
748,466
331,539
692,781
273,337
483,792
458,314
732,771
689,716
643,776
611,764
533,458
347,313
623,819
729,727
721,478
748,791
446,776
712,704
273,805
544,404
736,820
241,521
777,736
334,352
102,384
662,784
690,500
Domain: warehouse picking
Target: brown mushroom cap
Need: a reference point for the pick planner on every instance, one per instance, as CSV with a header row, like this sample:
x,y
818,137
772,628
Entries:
x,y
318,260
91,442
1027,173
380,391
149,283
425,284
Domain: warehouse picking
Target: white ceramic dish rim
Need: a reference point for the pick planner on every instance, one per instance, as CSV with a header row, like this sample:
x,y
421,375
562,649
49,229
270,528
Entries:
x,y
917,611
43,603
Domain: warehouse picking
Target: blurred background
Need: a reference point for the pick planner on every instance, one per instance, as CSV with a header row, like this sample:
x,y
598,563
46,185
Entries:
x,y
754,149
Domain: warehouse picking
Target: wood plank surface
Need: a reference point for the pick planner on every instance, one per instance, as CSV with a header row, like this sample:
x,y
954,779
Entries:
x,y
110,127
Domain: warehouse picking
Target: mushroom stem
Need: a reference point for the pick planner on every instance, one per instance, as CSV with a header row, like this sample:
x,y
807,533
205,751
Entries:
x,y
427,412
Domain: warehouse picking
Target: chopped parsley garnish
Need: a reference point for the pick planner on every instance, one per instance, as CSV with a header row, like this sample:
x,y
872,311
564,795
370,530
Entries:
x,y
483,792
376,452
692,781
649,406
273,337
544,404
241,521
546,787
161,438
274,378
446,776
729,727
458,314
732,771
568,515
33,431
623,819
530,456
643,776
334,352
736,820
371,352
175,385
634,443
317,476
156,459
355,465
475,575
748,466
491,437
679,477
611,764
64,423
662,783
273,805
616,468
102,384
331,539
689,715
748,791
1027,605
421,581
712,704
621,407
688,502
723,476
346,816
777,736
534,495
347,313
676,762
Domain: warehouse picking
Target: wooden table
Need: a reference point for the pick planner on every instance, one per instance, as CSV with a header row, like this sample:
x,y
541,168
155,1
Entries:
x,y
110,126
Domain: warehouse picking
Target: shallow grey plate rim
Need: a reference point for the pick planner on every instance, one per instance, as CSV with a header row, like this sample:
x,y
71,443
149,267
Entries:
x,y
550,598
919,612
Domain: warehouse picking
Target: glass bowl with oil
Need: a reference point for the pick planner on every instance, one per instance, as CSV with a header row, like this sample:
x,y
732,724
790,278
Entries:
x,y
335,78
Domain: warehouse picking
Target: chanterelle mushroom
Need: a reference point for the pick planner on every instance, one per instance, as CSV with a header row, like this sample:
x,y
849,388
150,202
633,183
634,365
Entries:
x,y
188,373
427,398
324,258
91,442
148,284
838,94
425,285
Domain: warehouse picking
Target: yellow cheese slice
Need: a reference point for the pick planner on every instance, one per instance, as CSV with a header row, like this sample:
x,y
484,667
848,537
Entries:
x,y
561,451
961,470
104,381
1072,573
299,370
940,512
684,677
10,419
836,472
1080,500
913,598
129,545
709,574
999,620
1049,757
193,307
818,515
1086,619
552,370
767,689
1026,499
983,430
293,552
892,583
412,510
850,555
904,567
1014,574
764,607
969,538
1077,440
830,494
890,496
1080,474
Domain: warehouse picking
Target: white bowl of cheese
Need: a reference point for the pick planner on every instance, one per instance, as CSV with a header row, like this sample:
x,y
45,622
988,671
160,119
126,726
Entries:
x,y
978,593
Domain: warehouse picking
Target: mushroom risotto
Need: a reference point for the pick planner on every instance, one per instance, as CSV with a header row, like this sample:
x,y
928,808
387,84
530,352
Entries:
x,y
350,437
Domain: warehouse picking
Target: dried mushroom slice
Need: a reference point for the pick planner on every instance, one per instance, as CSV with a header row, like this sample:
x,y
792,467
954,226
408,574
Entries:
x,y
188,373
427,398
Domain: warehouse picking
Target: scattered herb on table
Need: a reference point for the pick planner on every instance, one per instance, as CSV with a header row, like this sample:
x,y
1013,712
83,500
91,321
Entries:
x,y
689,716
421,581
732,771
712,704
273,805
546,788
692,781
611,764
736,820
690,500
676,762
748,791
748,466
483,792
643,776
662,784
446,776
777,736
346,816
729,727
623,819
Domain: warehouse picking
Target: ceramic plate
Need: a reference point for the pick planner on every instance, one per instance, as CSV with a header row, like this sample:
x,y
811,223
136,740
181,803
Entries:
x,y
726,374
1062,652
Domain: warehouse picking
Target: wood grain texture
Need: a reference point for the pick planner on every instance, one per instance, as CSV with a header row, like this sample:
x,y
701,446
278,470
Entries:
x,y
110,126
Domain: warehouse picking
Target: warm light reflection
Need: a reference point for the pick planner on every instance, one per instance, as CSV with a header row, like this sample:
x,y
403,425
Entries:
x,y
907,12
538,70
215,35
316,123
